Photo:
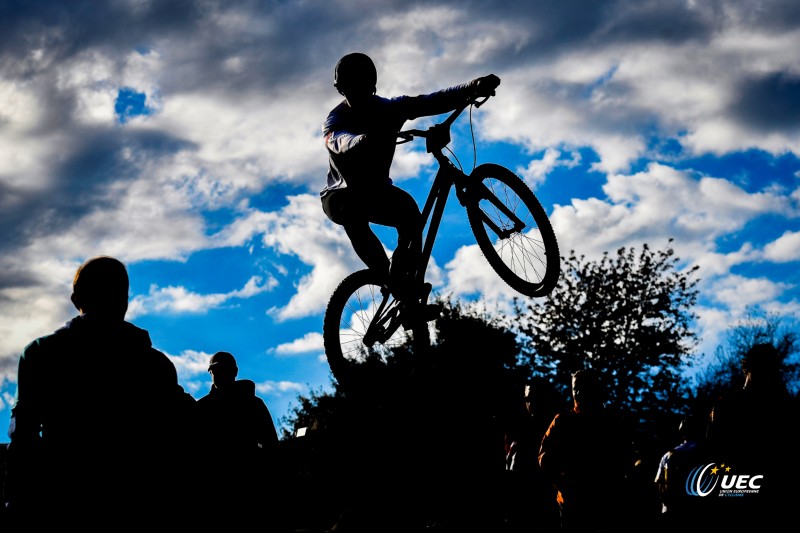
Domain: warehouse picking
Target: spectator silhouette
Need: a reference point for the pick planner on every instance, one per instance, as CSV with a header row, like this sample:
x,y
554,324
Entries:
x,y
753,432
96,432
678,507
586,453
531,503
240,444
360,136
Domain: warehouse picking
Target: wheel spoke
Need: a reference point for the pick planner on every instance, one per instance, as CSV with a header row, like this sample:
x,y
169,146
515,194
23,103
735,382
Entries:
x,y
522,253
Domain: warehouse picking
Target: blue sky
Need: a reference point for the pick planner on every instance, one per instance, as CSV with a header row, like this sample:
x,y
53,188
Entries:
x,y
184,139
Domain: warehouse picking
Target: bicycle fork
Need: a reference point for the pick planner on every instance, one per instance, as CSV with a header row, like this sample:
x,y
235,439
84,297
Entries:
x,y
472,193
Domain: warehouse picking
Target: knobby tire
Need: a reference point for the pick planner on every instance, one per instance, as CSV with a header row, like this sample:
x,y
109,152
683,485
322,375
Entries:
x,y
349,313
528,260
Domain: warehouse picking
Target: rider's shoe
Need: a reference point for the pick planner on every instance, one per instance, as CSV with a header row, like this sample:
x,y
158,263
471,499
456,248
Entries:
x,y
425,292
431,311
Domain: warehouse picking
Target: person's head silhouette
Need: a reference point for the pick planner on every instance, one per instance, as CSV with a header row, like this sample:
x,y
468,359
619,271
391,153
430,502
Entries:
x,y
223,369
691,428
355,77
587,392
541,397
761,366
100,289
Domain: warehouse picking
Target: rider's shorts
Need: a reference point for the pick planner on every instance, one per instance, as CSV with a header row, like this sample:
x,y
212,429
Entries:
x,y
341,206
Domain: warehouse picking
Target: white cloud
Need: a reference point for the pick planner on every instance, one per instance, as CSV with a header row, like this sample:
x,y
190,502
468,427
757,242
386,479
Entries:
x,y
713,322
37,306
538,169
310,342
713,263
237,151
190,363
279,388
738,293
470,274
784,249
655,205
180,300
426,48
26,158
788,309
409,163
301,229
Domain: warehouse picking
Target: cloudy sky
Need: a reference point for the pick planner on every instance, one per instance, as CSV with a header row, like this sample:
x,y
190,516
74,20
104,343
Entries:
x,y
183,137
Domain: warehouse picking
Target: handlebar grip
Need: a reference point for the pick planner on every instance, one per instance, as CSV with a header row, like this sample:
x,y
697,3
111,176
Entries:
x,y
407,135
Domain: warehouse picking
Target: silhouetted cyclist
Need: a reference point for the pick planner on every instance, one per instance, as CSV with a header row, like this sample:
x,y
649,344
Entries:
x,y
360,135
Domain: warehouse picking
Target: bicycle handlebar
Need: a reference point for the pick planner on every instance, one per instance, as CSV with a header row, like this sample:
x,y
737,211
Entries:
x,y
408,135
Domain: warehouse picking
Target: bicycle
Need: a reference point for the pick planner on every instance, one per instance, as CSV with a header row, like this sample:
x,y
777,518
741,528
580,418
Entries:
x,y
363,321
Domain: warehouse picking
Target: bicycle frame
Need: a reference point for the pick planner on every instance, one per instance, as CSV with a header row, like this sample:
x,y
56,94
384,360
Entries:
x,y
437,138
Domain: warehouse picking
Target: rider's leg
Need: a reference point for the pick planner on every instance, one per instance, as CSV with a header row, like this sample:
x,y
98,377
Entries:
x,y
398,209
368,247
346,209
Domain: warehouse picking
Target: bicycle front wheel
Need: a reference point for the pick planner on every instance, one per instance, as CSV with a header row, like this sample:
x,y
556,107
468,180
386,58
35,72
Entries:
x,y
512,230
364,324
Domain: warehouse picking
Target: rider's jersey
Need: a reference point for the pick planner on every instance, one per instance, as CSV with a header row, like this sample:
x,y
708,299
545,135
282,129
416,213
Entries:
x,y
361,142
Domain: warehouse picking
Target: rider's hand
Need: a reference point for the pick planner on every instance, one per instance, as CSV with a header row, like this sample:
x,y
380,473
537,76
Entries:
x,y
486,85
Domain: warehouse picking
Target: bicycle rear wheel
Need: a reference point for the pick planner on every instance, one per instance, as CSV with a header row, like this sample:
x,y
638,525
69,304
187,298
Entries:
x,y
364,323
512,230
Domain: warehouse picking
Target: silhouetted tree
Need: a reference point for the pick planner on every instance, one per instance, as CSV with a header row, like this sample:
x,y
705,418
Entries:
x,y
422,416
628,317
724,372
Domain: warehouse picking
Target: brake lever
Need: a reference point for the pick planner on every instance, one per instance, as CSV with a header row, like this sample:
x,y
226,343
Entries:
x,y
478,102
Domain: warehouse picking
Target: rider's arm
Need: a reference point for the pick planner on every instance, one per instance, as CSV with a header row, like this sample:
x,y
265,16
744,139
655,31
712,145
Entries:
x,y
448,99
338,137
340,142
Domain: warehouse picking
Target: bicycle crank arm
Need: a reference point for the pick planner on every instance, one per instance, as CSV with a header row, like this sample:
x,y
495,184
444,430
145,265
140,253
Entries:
x,y
383,326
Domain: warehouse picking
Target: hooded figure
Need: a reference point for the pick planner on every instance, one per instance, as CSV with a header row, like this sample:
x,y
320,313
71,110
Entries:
x,y
239,441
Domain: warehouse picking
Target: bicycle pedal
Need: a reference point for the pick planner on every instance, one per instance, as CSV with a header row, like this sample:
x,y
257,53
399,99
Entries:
x,y
421,313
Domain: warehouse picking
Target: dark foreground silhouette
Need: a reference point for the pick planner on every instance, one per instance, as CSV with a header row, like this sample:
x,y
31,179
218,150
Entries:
x,y
97,426
423,453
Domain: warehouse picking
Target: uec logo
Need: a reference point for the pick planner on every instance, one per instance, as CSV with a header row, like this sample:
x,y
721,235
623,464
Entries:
x,y
702,481
699,482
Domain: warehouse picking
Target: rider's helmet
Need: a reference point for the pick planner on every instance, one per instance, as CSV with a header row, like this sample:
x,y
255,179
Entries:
x,y
355,72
